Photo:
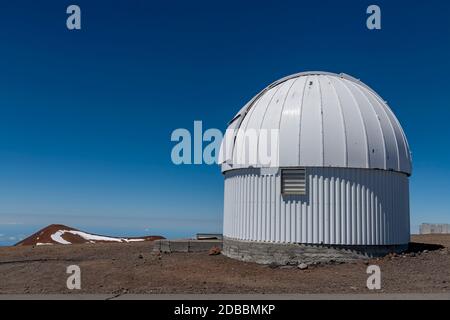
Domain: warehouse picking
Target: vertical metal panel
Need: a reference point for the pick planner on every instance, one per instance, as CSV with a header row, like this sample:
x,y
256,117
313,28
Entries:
x,y
243,149
272,208
337,210
341,206
326,218
311,140
375,142
390,141
289,123
333,126
355,132
277,209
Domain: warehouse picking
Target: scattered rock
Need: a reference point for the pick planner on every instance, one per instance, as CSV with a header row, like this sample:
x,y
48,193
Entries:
x,y
302,266
412,254
425,251
214,251
141,256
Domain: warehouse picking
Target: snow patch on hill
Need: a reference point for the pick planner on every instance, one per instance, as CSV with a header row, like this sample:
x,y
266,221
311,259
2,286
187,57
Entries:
x,y
60,234
58,237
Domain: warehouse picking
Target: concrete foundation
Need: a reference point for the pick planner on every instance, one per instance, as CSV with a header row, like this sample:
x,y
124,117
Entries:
x,y
289,253
185,245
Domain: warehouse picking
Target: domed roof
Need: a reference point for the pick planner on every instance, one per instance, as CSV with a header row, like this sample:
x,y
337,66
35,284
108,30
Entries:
x,y
322,120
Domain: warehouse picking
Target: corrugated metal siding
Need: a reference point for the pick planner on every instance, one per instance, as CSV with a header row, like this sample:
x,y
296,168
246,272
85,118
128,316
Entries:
x,y
341,206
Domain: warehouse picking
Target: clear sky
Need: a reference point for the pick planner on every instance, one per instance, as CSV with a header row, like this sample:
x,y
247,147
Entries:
x,y
86,116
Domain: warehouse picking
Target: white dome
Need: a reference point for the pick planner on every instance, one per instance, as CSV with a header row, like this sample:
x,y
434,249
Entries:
x,y
324,120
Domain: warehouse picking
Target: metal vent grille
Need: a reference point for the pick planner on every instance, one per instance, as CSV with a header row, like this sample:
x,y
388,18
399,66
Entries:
x,y
293,181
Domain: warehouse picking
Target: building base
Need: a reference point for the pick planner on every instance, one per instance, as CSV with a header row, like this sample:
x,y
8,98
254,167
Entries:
x,y
290,253
185,245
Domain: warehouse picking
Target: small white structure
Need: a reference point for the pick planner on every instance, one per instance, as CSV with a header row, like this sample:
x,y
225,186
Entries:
x,y
434,228
341,173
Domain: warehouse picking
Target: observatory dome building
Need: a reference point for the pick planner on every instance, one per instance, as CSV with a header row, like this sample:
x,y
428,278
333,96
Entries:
x,y
337,183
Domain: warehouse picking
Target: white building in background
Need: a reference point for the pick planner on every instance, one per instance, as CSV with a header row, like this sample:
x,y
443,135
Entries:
x,y
434,228
341,177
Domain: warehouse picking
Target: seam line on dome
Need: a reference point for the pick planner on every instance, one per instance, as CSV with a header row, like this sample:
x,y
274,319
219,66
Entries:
x,y
403,136
344,83
282,108
393,132
248,112
300,121
248,107
262,120
378,122
284,102
341,113
384,131
321,122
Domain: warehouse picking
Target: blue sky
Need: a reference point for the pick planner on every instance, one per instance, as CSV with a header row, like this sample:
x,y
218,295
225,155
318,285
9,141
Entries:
x,y
86,116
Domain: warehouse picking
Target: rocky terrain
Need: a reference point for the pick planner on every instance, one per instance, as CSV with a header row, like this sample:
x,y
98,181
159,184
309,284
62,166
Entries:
x,y
118,268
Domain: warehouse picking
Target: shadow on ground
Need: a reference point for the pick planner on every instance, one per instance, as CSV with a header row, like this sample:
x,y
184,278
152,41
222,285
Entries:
x,y
420,247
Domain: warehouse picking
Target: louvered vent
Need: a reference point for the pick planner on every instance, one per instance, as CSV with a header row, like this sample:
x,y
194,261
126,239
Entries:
x,y
293,181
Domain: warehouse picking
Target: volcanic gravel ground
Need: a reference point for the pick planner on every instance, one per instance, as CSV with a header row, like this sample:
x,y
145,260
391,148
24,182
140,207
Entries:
x,y
116,268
